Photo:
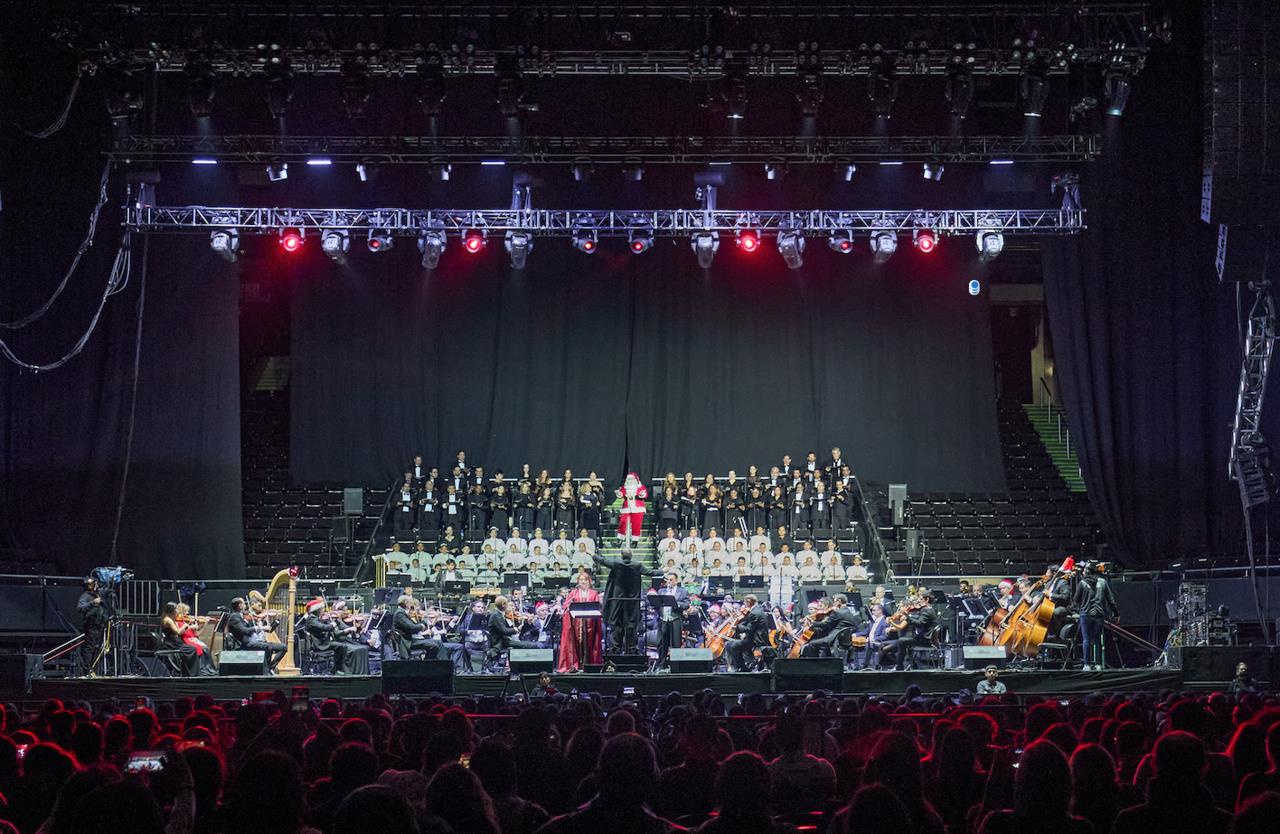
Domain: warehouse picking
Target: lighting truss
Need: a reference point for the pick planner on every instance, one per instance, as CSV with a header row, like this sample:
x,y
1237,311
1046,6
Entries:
x,y
406,222
633,150
1249,451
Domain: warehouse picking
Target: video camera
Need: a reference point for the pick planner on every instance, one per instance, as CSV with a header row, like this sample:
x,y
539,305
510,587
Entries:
x,y
108,577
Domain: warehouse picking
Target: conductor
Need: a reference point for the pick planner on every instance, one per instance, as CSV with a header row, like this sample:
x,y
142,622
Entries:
x,y
622,599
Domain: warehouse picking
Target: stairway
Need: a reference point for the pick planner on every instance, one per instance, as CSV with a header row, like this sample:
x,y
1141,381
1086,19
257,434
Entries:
x,y
1045,421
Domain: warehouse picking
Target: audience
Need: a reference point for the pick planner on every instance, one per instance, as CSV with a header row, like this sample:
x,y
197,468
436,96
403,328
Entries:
x,y
1118,764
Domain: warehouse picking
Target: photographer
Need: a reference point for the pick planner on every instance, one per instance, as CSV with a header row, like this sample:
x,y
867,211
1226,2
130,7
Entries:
x,y
93,623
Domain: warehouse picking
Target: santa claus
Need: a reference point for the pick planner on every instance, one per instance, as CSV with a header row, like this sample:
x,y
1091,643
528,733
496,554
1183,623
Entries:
x,y
631,516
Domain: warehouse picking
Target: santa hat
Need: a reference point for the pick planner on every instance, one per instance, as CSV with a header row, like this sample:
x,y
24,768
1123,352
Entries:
x,y
315,605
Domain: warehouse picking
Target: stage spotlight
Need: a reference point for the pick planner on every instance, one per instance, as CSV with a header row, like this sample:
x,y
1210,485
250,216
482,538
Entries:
x,y
226,242
810,94
380,240
773,170
791,247
518,246
883,245
990,244
705,245
975,286
635,173
848,171
431,244
336,243
747,240
925,240
366,171
841,242
279,87
278,171
1116,84
882,89
585,242
441,171
355,90
581,171
639,241
734,95
431,90
959,92
291,239
933,171
200,89
473,241
1034,89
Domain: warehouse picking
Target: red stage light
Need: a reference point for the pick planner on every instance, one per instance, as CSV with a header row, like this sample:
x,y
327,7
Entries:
x,y
473,242
375,244
291,240
638,246
926,242
845,245
748,241
588,245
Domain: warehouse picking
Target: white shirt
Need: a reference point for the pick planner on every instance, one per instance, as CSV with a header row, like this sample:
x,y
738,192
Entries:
x,y
857,573
711,542
756,541
832,573
562,548
588,541
691,544
539,542
496,544
810,573
522,547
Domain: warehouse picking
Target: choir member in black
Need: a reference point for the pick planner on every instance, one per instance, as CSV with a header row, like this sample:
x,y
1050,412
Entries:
x,y
544,516
710,505
776,508
500,510
93,624
798,510
689,508
621,599
669,481
826,631
735,511
782,536
496,480
349,657
503,631
428,510
820,510
460,463
250,638
752,632
477,511
404,507
526,477
752,479
458,480
832,465
453,508
412,632
589,508
523,504
449,541
671,620
668,507
841,510
565,504
476,478
757,512
171,633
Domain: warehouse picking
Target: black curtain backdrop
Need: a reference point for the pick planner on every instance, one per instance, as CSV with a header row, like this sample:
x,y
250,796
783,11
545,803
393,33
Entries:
x,y
1145,339
646,362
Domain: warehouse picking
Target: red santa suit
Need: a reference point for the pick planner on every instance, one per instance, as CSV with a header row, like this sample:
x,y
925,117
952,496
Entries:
x,y
631,516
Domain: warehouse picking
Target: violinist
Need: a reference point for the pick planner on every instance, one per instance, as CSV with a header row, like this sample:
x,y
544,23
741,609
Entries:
x,y
248,633
503,627
349,658
411,631
914,623
189,626
840,620
173,632
750,633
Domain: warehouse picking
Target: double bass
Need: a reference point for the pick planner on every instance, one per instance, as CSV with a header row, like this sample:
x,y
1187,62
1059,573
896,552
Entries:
x,y
1024,627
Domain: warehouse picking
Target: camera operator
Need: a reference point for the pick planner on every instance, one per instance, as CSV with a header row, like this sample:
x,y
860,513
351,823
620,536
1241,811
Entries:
x,y
93,623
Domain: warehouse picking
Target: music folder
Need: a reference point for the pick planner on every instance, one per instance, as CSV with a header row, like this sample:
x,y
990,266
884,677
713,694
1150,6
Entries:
x,y
754,580
588,610
455,588
659,601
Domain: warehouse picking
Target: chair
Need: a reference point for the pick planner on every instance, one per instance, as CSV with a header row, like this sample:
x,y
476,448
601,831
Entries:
x,y
931,652
171,658
315,660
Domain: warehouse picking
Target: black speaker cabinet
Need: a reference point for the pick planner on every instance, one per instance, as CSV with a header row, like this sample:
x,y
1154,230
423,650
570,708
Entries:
x,y
17,671
533,660
353,501
243,662
691,660
417,677
805,674
1218,663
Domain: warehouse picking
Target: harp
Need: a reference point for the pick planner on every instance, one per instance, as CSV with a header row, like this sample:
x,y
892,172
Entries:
x,y
282,596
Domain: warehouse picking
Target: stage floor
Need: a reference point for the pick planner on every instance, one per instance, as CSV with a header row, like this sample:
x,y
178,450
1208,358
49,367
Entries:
x,y
860,683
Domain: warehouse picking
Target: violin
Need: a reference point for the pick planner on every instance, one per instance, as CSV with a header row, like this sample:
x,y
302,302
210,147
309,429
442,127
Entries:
x,y
898,620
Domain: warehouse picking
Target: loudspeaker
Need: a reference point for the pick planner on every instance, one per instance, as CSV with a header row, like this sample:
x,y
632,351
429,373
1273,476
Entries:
x,y
353,501
417,677
691,660
341,526
533,660
805,674
17,671
625,663
1218,663
243,662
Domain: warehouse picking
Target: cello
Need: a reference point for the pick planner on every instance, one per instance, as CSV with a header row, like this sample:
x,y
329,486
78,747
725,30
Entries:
x,y
806,634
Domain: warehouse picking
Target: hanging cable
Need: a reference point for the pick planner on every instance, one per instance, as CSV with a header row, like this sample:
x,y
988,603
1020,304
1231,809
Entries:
x,y
75,262
133,396
61,121
119,275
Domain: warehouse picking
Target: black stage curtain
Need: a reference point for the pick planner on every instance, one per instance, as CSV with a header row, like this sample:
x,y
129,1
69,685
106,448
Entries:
x,y
644,362
1144,337
66,430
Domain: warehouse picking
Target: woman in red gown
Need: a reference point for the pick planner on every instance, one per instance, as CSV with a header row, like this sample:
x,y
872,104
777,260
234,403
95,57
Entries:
x,y
580,640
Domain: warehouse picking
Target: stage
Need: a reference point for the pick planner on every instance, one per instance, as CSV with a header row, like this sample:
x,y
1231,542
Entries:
x,y
890,683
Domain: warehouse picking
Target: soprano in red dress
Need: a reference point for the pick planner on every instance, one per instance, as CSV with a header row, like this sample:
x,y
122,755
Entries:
x,y
580,639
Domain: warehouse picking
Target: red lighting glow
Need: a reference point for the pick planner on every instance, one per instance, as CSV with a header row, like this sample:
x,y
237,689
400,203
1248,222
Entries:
x,y
845,245
637,246
374,243
926,242
588,246
473,243
748,241
291,240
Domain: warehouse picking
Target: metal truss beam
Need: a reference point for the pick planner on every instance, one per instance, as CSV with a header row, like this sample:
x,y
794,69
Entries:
x,y
563,223
1248,446
607,149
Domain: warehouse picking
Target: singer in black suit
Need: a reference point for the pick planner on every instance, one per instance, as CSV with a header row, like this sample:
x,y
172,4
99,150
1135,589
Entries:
x,y
671,620
249,638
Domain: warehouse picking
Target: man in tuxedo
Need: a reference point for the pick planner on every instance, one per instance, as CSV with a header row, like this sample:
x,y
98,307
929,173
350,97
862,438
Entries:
x,y
833,465
876,632
250,637
827,630
918,630
348,658
751,632
621,599
502,634
413,633
671,619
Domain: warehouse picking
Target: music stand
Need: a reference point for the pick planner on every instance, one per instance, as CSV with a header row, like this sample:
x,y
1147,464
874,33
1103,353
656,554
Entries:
x,y
386,596
585,612
399,579
516,579
754,580
455,587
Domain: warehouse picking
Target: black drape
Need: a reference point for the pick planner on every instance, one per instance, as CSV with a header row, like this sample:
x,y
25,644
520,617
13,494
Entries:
x,y
1144,337
590,363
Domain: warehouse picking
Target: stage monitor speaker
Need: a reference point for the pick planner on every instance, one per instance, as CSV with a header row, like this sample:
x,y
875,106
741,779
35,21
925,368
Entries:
x,y
980,657
417,677
625,663
243,662
341,527
691,660
353,501
805,674
17,671
533,660
1218,663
